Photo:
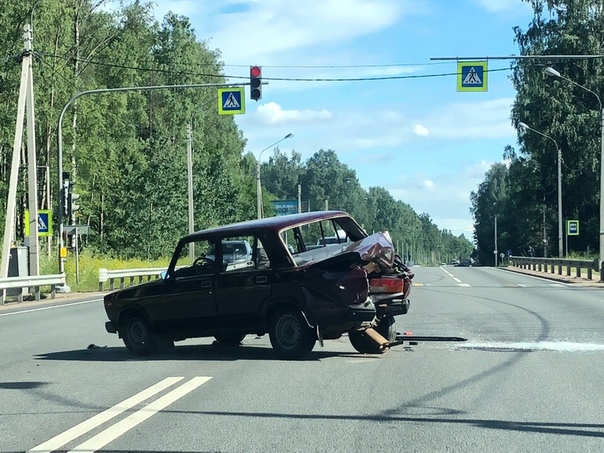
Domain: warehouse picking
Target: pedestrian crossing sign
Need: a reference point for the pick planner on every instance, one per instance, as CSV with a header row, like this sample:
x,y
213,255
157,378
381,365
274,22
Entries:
x,y
472,75
44,223
231,101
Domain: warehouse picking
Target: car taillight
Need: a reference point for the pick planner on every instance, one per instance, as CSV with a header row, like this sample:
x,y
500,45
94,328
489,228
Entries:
x,y
387,285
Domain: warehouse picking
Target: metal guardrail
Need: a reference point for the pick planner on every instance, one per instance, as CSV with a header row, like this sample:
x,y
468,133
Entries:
x,y
30,281
552,265
130,274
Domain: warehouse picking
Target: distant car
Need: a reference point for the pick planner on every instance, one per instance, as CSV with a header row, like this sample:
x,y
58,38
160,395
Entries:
x,y
233,252
464,262
283,287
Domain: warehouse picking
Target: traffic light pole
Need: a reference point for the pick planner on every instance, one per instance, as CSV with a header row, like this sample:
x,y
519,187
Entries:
x,y
60,215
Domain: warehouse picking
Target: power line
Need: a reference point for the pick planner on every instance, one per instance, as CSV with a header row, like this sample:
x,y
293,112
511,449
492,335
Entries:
x,y
285,79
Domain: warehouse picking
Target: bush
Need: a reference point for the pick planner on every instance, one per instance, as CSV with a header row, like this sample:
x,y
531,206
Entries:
x,y
89,265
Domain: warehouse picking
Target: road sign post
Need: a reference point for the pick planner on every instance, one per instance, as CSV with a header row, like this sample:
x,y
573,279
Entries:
x,y
572,229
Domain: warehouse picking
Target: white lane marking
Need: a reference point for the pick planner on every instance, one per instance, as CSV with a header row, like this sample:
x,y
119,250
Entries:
x,y
87,425
52,307
558,346
457,280
113,432
447,272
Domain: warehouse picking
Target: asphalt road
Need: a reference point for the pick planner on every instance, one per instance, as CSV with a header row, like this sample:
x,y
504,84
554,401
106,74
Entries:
x,y
528,379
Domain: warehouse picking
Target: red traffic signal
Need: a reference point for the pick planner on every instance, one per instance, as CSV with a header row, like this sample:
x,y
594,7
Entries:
x,y
256,82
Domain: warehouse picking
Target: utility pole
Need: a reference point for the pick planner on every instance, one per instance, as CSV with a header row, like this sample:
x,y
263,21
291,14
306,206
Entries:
x,y
25,102
190,187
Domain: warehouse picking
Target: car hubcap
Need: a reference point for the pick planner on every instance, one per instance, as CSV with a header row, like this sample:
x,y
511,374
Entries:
x,y
138,333
288,331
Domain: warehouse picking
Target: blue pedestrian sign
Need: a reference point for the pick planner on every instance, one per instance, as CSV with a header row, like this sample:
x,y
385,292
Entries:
x,y
231,101
472,76
44,223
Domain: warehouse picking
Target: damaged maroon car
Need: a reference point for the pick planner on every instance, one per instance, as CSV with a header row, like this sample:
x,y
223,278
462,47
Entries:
x,y
278,276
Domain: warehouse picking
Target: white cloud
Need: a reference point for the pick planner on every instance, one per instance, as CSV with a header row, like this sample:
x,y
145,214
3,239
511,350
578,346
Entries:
x,y
420,130
486,119
478,170
252,30
272,113
443,195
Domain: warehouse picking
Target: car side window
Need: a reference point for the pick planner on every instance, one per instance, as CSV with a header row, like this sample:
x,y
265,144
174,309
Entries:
x,y
196,258
237,253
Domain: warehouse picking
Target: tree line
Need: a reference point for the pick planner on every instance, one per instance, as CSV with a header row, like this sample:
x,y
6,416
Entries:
x,y
126,152
564,113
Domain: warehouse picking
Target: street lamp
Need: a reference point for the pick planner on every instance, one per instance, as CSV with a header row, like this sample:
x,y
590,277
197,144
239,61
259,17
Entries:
x,y
553,73
495,252
258,185
524,126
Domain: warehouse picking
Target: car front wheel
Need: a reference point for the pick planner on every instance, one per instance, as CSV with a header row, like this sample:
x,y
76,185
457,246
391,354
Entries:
x,y
138,337
290,335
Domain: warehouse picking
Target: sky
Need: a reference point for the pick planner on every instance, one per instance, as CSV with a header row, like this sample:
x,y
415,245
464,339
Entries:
x,y
426,143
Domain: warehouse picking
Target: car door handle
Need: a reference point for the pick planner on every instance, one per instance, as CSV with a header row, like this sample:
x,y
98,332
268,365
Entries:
x,y
262,279
206,284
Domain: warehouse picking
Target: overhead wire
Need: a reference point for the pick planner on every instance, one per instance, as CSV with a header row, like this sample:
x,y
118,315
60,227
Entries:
x,y
286,79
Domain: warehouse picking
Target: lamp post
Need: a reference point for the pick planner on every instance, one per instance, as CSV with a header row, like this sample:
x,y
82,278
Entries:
x,y
258,185
559,157
553,73
495,252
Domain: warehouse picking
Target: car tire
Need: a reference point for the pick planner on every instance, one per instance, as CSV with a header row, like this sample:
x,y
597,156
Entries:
x,y
290,335
230,339
387,328
138,337
363,344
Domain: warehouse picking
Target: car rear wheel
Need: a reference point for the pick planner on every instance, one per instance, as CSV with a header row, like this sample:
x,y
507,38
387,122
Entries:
x,y
230,339
365,345
387,328
290,335
138,337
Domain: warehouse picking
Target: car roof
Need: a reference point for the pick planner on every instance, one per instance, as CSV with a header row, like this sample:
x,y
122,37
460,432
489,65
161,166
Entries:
x,y
277,223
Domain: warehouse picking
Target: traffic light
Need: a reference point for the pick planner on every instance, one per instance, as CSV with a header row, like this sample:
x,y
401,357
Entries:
x,y
65,197
72,205
256,83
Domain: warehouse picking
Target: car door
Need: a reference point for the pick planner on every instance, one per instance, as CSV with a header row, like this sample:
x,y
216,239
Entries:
x,y
242,288
188,296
